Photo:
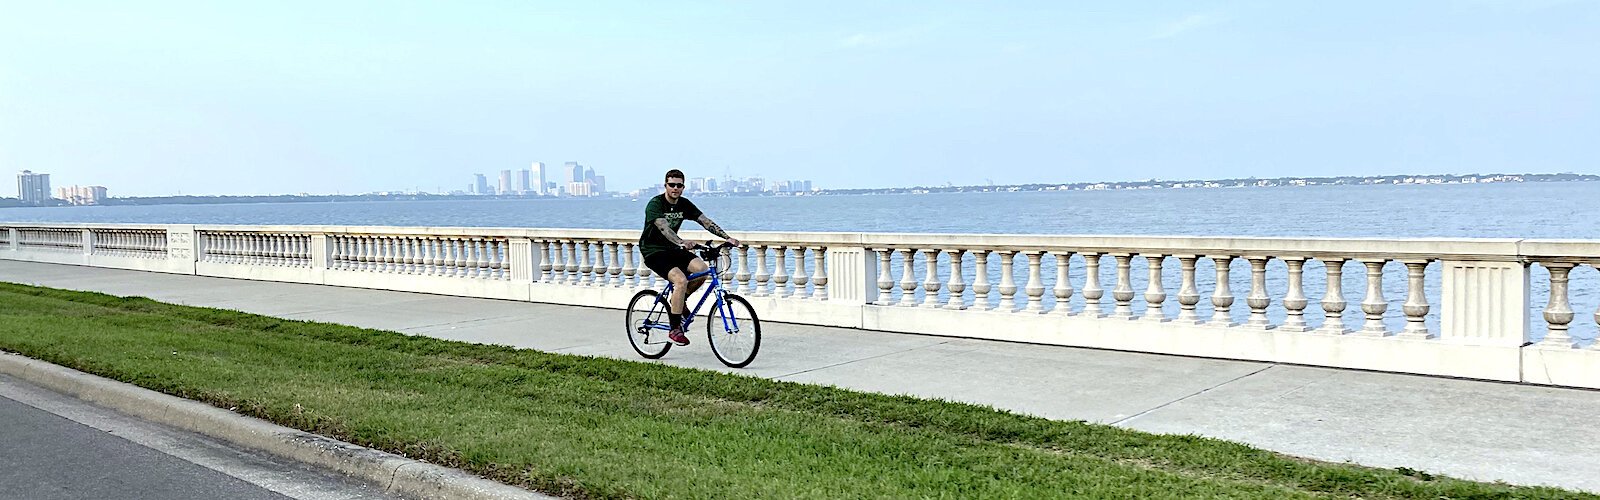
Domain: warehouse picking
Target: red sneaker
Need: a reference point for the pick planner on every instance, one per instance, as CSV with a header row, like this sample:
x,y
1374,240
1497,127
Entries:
x,y
677,337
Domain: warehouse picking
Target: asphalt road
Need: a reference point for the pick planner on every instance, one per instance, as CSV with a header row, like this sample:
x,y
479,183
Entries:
x,y
57,447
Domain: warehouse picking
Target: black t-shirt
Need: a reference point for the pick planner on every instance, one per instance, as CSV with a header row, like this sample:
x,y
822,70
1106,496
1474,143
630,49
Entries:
x,y
651,240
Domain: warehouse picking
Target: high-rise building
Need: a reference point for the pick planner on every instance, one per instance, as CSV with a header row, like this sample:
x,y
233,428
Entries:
x,y
505,182
539,174
583,188
588,174
599,183
482,184
522,182
574,172
84,195
33,188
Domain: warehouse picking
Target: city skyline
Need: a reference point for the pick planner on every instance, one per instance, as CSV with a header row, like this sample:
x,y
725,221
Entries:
x,y
849,95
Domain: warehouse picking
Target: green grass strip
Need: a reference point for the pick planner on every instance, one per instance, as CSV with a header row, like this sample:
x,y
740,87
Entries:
x,y
603,428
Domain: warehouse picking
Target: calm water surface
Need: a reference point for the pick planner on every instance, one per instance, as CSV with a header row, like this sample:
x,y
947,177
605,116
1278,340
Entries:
x,y
1527,210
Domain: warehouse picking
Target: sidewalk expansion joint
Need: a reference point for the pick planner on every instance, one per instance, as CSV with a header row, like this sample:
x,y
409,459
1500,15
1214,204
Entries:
x,y
842,363
1196,393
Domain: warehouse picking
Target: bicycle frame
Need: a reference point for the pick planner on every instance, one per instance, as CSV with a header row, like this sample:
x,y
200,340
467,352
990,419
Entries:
x,y
729,322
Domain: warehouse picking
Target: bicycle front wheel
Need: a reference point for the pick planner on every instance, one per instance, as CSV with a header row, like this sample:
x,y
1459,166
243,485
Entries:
x,y
734,331
645,316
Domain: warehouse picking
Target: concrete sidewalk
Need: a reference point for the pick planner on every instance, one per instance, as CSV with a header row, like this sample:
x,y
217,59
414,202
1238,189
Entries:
x,y
1478,430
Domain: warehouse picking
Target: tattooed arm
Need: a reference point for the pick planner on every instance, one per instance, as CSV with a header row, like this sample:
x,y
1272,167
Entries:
x,y
712,227
666,230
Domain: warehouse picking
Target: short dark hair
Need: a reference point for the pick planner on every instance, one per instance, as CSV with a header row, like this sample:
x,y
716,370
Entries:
x,y
674,173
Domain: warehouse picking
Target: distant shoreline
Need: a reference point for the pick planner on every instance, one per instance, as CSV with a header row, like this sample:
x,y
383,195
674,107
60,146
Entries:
x,y
1431,180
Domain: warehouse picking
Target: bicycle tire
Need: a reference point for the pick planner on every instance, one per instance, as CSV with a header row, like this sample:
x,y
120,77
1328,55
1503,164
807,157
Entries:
x,y
645,307
738,347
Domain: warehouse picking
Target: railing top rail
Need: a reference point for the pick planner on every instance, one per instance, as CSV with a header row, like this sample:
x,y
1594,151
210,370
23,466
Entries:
x,y
1494,249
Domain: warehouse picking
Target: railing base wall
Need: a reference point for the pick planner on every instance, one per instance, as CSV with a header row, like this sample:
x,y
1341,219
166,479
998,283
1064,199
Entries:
x,y
1564,367
1389,354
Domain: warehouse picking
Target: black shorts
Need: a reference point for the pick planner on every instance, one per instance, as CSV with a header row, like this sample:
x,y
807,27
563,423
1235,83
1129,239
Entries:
x,y
664,261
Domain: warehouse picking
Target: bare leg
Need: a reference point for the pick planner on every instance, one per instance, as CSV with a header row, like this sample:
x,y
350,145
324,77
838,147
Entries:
x,y
679,291
695,266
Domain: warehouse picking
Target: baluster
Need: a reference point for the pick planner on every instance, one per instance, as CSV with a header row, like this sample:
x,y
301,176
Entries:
x,y
780,276
1558,311
1416,305
405,255
1333,303
574,266
276,254
1596,344
422,246
351,259
382,258
741,279
1063,289
1188,293
1155,292
598,256
614,266
630,276
355,257
395,258
980,282
463,255
1258,300
956,284
392,261
800,277
471,259
1092,292
930,280
819,280
1374,305
1123,293
558,261
374,253
586,265
541,249
256,249
762,275
908,283
1008,283
1294,301
496,261
436,257
1035,286
647,278
1222,298
885,277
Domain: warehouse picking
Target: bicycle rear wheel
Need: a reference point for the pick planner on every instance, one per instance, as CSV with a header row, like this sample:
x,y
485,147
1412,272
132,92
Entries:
x,y
644,314
734,331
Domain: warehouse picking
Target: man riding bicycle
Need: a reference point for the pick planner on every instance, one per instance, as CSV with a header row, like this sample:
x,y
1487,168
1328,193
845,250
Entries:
x,y
668,254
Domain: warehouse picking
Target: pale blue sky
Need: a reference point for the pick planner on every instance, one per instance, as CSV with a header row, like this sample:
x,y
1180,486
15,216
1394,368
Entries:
x,y
155,98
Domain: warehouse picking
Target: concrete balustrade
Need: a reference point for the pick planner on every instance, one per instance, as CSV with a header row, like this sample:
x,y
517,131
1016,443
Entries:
x,y
1462,307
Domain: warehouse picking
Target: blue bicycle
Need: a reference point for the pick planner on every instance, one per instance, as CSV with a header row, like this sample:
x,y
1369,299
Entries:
x,y
732,328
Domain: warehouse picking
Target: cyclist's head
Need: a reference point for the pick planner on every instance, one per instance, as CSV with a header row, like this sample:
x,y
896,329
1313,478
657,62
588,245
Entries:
x,y
674,184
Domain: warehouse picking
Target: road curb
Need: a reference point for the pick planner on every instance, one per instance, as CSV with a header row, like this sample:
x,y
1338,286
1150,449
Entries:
x,y
396,474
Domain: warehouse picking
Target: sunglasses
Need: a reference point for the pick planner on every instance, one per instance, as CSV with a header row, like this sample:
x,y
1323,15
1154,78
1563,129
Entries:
x,y
678,185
